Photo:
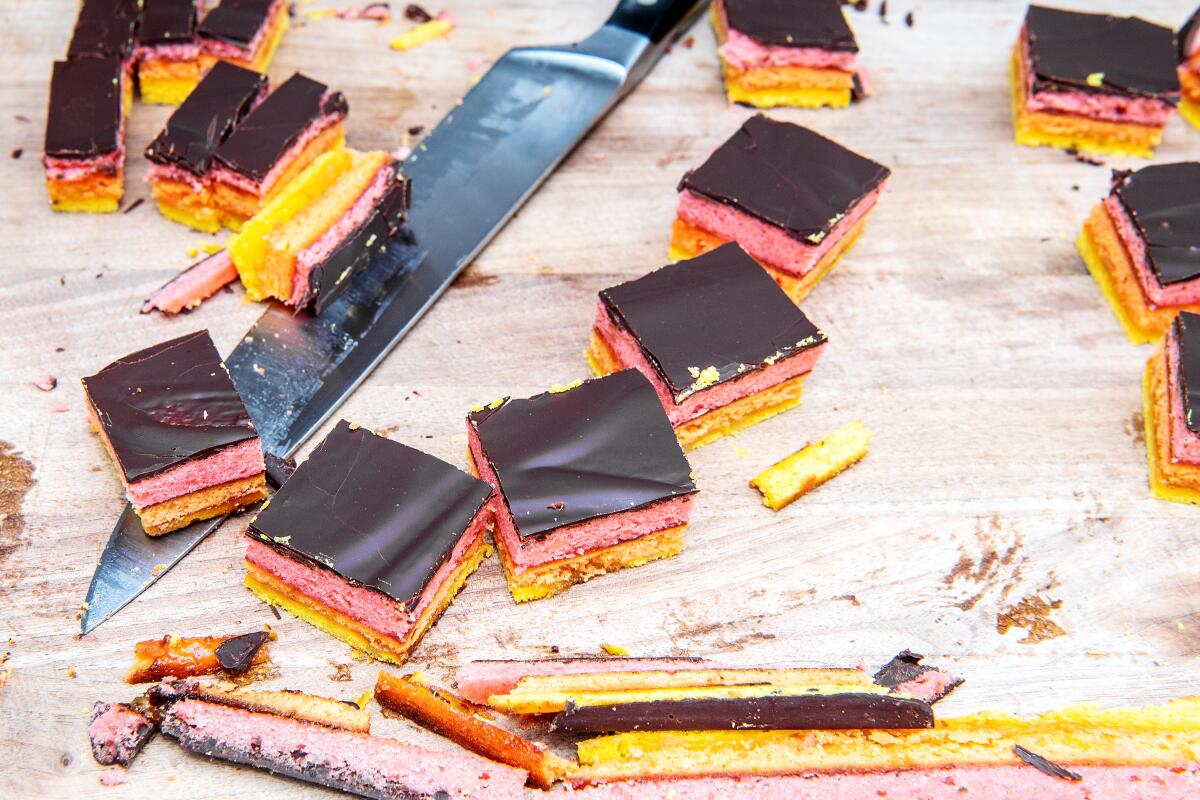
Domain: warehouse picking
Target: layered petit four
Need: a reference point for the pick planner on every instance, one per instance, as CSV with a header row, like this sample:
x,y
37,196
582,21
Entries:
x,y
174,424
339,714
352,762
312,238
108,28
1142,245
722,345
296,123
117,732
1171,389
788,53
193,286
168,51
452,717
243,32
181,155
1188,41
369,541
792,199
84,154
1092,83
591,480
788,480
479,680
187,656
1165,736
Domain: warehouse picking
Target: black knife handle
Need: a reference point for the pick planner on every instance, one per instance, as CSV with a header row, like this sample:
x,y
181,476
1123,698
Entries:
x,y
653,19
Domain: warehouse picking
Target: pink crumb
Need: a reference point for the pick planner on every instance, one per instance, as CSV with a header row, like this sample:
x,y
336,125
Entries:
x,y
479,680
114,776
61,408
46,382
447,16
929,686
474,62
768,243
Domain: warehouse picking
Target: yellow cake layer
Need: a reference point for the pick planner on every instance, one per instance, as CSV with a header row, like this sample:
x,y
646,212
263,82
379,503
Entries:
x,y
795,97
808,468
378,646
1169,480
847,678
724,421
1072,132
1190,111
1167,735
198,218
689,241
1108,261
167,82
87,205
213,501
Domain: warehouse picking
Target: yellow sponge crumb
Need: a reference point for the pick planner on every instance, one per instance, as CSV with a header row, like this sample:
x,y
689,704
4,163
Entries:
x,y
421,34
799,473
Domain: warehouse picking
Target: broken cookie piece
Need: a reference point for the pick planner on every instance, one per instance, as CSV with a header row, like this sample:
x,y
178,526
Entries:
x,y
788,480
184,656
118,731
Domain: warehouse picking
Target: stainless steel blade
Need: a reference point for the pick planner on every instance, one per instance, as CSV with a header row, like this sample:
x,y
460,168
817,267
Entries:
x,y
472,172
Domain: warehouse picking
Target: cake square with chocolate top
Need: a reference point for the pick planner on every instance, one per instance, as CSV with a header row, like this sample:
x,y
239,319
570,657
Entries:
x,y
168,51
105,28
369,540
1171,392
243,32
718,339
1188,44
175,426
591,477
793,199
1096,83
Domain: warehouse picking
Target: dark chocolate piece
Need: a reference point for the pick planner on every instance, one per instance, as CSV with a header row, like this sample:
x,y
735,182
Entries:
x,y
1163,200
273,127
278,470
105,28
906,667
168,404
332,277
119,741
772,712
604,447
207,117
786,175
375,512
792,23
84,116
168,22
1187,336
238,653
1100,54
719,310
236,21
1188,38
1045,766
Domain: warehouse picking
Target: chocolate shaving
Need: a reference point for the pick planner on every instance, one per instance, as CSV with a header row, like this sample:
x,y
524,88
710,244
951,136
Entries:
x,y
134,205
417,14
1044,766
278,470
237,653
18,152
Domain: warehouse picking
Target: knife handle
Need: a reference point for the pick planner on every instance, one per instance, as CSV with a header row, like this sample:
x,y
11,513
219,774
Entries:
x,y
653,19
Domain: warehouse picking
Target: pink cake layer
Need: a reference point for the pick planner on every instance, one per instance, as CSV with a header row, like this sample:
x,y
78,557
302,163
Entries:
x,y
178,51
963,783
224,174
313,255
479,680
1113,107
375,761
743,53
116,733
231,463
222,49
170,172
1185,444
366,606
582,537
630,354
768,243
1176,294
929,686
194,285
74,169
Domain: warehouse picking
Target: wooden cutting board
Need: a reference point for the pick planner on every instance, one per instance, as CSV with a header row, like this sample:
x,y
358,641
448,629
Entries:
x,y
1007,463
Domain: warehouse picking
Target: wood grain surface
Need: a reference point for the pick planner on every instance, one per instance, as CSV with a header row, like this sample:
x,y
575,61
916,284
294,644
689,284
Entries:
x,y
1007,460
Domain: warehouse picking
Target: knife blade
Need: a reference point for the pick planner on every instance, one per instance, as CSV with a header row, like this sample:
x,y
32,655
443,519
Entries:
x,y
470,175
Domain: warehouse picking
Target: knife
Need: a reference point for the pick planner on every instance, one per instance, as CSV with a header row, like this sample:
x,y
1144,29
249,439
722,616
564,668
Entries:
x,y
470,175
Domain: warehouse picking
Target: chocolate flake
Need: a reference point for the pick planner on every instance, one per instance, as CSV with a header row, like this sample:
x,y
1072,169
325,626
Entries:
x,y
237,654
18,152
135,204
1044,766
415,13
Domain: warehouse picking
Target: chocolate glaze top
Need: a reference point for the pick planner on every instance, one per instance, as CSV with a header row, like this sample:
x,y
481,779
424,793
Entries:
x,y
1163,200
1187,336
83,119
792,23
375,512
562,457
168,404
770,712
787,176
267,133
105,28
1188,38
1121,55
207,117
236,21
168,22
720,310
